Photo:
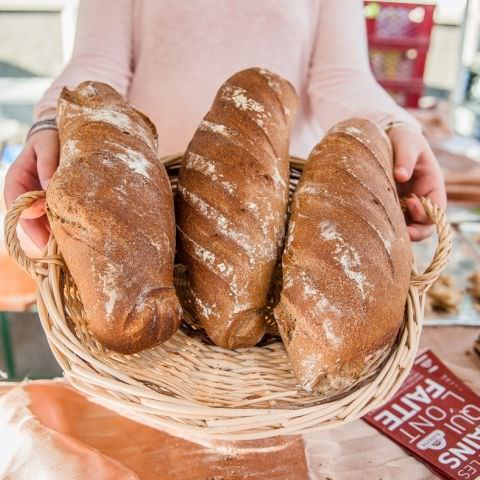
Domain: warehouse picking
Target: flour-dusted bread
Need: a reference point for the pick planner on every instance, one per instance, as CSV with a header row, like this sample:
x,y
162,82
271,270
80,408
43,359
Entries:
x,y
231,205
347,261
110,208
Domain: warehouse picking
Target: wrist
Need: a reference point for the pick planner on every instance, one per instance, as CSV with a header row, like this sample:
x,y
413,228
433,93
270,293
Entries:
x,y
44,124
391,126
396,118
394,124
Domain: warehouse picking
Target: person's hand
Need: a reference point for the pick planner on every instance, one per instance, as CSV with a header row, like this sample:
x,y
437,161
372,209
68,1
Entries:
x,y
31,171
417,171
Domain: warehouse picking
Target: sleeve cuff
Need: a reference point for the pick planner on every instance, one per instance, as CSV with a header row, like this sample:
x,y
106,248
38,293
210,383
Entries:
x,y
386,119
44,113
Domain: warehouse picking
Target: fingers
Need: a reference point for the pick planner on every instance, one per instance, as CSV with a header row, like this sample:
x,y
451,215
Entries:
x,y
406,151
21,176
421,226
31,171
37,230
419,232
47,157
34,166
36,210
429,183
417,212
437,192
417,171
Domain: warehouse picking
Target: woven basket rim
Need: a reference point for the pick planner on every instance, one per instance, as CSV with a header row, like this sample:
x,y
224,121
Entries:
x,y
108,379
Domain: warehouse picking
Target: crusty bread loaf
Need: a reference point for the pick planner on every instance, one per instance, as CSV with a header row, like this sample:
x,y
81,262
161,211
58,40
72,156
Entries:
x,y
347,261
110,208
231,205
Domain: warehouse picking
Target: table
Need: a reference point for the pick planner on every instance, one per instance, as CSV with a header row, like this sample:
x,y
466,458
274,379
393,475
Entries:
x,y
17,294
75,438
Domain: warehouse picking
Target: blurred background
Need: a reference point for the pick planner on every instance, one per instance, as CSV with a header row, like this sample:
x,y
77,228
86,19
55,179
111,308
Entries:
x,y
426,54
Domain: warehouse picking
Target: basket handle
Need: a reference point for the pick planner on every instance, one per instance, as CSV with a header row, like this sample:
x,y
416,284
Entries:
x,y
423,281
12,241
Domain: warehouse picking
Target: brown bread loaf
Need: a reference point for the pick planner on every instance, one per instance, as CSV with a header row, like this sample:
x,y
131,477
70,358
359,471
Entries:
x,y
347,261
231,205
110,208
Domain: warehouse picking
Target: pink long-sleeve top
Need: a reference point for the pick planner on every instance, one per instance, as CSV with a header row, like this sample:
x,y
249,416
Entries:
x,y
169,57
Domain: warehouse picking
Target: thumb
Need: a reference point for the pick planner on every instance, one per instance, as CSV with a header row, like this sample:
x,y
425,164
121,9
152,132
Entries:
x,y
47,157
405,154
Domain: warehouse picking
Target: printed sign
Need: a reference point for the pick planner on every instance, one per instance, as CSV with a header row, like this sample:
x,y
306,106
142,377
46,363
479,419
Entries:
x,y
436,417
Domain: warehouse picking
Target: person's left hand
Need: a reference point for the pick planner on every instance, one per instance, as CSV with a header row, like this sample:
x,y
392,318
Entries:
x,y
416,170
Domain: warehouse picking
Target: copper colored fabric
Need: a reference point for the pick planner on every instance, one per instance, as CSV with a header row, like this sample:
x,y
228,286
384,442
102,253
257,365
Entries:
x,y
49,431
17,288
60,427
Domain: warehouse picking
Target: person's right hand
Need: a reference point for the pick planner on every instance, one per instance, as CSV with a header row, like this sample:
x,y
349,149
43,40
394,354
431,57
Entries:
x,y
32,170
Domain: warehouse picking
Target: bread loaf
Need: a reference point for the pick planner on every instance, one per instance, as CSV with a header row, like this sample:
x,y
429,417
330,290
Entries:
x,y
110,208
231,205
347,261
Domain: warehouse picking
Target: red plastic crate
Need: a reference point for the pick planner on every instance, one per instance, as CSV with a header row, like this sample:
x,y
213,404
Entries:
x,y
398,38
397,63
395,23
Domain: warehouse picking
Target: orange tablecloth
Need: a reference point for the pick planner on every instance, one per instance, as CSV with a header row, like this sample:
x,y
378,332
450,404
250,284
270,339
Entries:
x,y
48,430
17,288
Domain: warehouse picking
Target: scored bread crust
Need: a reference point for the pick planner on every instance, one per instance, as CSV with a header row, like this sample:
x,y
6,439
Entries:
x,y
231,205
110,207
347,261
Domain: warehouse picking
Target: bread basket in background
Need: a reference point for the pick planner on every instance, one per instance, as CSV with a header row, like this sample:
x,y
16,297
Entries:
x,y
197,389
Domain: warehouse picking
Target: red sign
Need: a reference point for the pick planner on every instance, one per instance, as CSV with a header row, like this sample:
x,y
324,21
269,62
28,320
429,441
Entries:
x,y
436,417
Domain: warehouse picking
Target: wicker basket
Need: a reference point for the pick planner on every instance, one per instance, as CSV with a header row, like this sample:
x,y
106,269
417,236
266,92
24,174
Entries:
x,y
197,389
